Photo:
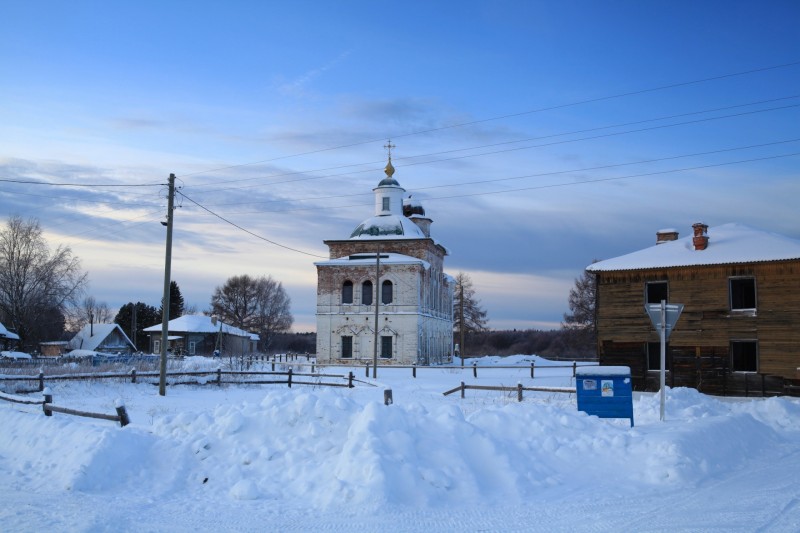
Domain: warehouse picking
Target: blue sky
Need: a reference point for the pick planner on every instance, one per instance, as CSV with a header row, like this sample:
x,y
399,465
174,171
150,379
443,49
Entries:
x,y
538,135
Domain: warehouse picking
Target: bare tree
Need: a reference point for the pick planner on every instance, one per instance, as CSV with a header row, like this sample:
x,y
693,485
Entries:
x,y
474,315
36,286
470,317
260,305
581,321
88,312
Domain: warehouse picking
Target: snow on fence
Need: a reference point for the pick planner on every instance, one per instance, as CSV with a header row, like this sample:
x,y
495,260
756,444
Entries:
x,y
474,367
47,406
519,388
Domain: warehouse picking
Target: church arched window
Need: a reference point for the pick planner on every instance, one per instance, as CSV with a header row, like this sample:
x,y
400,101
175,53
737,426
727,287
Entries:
x,y
387,292
366,293
347,292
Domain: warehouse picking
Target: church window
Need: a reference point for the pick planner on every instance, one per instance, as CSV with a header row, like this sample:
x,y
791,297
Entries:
x,y
347,292
386,206
386,347
366,293
386,292
347,346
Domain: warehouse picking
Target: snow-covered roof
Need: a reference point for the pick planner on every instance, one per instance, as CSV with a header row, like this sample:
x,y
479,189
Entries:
x,y
15,355
369,259
727,244
387,227
4,333
92,336
199,324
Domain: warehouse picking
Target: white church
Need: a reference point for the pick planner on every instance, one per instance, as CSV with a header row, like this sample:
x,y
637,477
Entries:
x,y
390,260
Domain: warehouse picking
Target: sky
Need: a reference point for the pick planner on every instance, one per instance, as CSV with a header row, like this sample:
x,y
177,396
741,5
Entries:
x,y
274,458
539,136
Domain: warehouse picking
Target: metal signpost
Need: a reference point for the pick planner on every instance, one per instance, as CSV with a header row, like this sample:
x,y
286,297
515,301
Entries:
x,y
664,316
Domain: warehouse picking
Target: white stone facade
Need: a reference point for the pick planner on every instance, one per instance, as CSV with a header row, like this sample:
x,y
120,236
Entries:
x,y
415,309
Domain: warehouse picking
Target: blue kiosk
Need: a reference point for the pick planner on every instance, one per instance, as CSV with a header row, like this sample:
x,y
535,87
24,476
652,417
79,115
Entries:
x,y
605,391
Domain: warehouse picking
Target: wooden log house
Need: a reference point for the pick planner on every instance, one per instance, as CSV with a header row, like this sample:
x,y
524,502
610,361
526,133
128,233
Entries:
x,y
739,333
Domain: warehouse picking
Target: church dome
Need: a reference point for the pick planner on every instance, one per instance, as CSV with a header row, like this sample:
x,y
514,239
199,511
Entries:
x,y
387,227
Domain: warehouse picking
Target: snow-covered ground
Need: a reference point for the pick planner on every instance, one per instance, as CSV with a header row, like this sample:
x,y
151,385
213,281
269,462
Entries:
x,y
271,458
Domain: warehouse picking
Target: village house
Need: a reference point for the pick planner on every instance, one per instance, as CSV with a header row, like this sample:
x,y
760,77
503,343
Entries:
x,y
739,331
8,339
386,283
106,338
202,335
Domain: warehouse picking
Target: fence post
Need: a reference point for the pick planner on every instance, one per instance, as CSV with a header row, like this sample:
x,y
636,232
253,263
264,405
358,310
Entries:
x,y
413,369
290,378
350,380
312,367
41,381
574,368
219,377
48,398
133,375
122,414
387,397
519,391
366,369
273,363
746,386
462,390
475,370
532,370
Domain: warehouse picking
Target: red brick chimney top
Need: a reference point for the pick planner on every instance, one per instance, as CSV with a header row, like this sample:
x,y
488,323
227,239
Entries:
x,y
700,239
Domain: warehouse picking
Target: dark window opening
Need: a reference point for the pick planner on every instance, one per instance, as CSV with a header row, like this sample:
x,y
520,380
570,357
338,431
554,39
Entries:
x,y
387,292
347,292
347,346
744,356
657,291
386,205
743,293
386,347
654,356
366,293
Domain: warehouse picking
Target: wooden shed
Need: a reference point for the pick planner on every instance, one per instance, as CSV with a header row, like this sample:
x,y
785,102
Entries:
x,y
739,332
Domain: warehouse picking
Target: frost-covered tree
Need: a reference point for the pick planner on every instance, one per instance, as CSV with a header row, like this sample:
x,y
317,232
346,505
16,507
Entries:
x,y
580,322
88,312
37,286
467,307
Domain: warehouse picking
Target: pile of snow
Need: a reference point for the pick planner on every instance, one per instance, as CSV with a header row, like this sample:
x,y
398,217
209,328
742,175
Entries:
x,y
15,355
261,458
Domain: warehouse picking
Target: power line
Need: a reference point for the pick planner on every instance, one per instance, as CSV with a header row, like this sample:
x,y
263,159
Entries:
x,y
586,130
33,182
248,231
510,115
553,173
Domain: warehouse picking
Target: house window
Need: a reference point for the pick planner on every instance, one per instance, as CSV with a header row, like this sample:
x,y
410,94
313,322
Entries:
x,y
192,347
655,291
386,206
156,346
386,292
366,293
743,294
654,356
347,292
347,346
386,347
744,356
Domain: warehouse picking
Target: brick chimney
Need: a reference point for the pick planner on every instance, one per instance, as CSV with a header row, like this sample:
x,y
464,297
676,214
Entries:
x,y
700,239
666,235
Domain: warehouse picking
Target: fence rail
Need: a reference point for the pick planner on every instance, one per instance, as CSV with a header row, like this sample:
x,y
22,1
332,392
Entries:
x,y
47,406
216,375
473,367
518,389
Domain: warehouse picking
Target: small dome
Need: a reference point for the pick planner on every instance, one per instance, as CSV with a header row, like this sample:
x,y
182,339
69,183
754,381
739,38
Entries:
x,y
387,226
389,181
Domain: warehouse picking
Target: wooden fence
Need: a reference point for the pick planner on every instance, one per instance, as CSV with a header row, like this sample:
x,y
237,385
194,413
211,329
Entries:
x,y
291,378
518,389
473,367
47,406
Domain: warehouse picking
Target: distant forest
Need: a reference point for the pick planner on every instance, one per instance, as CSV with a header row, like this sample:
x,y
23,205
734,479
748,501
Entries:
x,y
564,344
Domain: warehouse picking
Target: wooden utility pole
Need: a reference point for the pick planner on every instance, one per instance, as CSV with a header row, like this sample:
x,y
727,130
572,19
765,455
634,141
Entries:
x,y
162,380
461,313
377,302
